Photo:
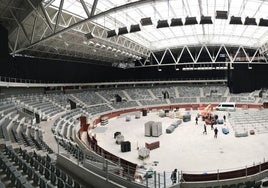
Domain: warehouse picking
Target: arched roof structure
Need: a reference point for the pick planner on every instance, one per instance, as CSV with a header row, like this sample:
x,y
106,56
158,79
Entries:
x,y
129,30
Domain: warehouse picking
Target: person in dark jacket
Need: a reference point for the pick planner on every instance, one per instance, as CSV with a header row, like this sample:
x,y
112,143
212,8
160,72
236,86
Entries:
x,y
205,129
216,132
174,176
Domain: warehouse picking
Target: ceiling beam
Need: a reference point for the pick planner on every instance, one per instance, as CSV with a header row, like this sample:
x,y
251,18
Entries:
x,y
93,9
20,25
58,15
85,8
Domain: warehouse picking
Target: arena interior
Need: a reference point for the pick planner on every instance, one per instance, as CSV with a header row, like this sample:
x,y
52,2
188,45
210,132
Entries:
x,y
133,93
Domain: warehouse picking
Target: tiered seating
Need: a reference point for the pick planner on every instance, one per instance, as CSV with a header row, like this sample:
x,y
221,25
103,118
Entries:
x,y
244,122
89,98
242,98
110,94
60,99
214,91
28,169
70,147
214,99
124,104
63,126
183,100
41,105
139,94
188,91
153,102
158,92
98,109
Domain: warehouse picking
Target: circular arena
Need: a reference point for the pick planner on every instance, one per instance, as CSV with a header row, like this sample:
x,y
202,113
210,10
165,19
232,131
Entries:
x,y
133,93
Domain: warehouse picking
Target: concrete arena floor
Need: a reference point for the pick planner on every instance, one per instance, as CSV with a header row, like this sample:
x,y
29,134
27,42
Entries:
x,y
187,148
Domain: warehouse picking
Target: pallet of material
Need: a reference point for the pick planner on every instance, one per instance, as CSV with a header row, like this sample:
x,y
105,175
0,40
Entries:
x,y
170,129
241,134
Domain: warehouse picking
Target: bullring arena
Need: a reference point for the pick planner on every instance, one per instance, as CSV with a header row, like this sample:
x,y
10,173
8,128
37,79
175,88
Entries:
x,y
133,93
86,135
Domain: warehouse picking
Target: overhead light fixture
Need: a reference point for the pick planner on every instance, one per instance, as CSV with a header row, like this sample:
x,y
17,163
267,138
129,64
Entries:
x,y
250,21
103,46
122,30
90,43
205,20
97,45
146,21
221,14
114,50
109,48
263,22
236,20
190,21
162,23
89,35
111,33
134,28
176,22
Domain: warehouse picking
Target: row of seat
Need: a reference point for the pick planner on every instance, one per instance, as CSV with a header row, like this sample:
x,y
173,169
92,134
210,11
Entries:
x,y
26,169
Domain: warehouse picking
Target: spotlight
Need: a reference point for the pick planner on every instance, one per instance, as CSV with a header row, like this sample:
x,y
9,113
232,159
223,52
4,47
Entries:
x,y
162,23
190,21
263,22
236,20
176,22
221,15
134,28
250,21
122,30
146,21
111,33
205,20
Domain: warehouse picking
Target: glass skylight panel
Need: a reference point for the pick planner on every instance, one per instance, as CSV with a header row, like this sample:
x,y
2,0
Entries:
x,y
192,34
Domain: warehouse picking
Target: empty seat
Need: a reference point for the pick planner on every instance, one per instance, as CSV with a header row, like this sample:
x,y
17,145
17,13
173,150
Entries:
x,y
47,174
53,178
76,185
60,183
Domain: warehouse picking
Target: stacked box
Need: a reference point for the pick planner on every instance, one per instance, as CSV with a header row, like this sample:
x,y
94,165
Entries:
x,y
144,153
148,128
138,115
128,118
156,129
119,139
104,120
170,129
125,146
116,134
176,123
152,145
186,117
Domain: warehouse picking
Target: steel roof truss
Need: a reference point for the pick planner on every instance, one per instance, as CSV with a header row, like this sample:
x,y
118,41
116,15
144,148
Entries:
x,y
48,20
20,25
173,58
33,30
58,15
85,8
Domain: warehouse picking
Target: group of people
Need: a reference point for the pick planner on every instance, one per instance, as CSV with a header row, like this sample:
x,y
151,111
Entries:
x,y
212,126
173,176
215,131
